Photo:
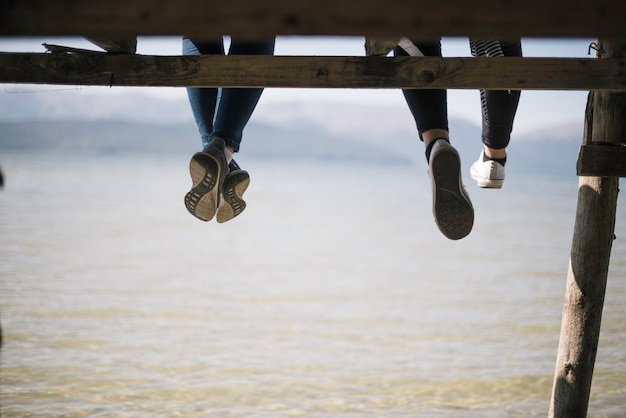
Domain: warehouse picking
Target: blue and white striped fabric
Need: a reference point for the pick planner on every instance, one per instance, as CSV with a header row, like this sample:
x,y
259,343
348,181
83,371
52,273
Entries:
x,y
485,48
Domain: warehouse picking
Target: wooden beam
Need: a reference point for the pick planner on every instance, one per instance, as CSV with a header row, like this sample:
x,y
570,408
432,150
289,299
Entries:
x,y
602,160
314,72
246,18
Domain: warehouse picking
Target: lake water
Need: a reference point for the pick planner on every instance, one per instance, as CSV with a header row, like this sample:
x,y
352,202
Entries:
x,y
332,295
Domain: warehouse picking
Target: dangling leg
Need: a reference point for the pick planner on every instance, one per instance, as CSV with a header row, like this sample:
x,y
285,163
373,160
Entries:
x,y
203,101
498,113
235,109
208,167
236,105
452,208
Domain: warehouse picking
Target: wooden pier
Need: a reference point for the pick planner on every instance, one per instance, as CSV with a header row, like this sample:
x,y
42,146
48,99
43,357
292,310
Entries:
x,y
602,158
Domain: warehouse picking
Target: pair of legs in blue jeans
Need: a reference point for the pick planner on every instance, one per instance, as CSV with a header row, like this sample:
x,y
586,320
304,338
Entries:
x,y
221,116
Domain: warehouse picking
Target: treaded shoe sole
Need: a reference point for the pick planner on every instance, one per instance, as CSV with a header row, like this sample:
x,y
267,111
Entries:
x,y
203,199
453,211
232,203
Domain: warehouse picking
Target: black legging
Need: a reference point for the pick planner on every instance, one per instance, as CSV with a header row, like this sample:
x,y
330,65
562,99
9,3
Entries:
x,y
429,107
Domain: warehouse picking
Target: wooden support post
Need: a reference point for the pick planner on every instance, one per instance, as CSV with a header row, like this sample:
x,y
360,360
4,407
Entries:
x,y
605,122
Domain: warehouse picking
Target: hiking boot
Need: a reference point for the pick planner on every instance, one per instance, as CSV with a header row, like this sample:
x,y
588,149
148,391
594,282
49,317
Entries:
x,y
208,171
452,208
235,185
487,173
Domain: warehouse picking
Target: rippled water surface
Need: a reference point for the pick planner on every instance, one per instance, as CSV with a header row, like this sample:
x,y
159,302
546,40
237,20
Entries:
x,y
332,295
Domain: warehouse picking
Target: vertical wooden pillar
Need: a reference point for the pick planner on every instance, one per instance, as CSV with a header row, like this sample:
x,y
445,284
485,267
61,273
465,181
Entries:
x,y
605,123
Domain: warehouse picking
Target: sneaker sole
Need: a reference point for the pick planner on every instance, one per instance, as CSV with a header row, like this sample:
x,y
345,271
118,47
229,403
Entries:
x,y
233,204
452,209
202,200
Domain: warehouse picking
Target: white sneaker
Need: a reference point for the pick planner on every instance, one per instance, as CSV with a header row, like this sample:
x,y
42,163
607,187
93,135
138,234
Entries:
x,y
488,174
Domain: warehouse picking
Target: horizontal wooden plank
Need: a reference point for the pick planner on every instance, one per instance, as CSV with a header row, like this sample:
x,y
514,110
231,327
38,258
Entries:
x,y
602,160
246,18
314,72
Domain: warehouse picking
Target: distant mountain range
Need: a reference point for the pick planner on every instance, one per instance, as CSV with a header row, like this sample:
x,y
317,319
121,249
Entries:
x,y
330,132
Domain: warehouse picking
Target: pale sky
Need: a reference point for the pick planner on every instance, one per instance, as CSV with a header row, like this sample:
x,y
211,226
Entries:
x,y
537,109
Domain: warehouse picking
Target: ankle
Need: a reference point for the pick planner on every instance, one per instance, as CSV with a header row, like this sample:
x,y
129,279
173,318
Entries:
x,y
495,153
429,146
229,152
501,161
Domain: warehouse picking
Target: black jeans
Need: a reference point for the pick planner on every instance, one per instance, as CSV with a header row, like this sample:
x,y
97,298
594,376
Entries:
x,y
429,107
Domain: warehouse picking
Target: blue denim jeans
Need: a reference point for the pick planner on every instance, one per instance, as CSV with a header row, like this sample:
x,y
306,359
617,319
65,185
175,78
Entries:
x,y
224,112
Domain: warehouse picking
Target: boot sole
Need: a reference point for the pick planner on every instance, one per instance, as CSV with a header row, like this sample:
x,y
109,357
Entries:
x,y
233,204
203,198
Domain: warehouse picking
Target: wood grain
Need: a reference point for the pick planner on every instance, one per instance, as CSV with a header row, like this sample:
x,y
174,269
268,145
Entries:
x,y
245,18
503,73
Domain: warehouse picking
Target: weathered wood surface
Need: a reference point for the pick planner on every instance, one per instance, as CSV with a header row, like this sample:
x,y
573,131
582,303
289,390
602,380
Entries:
x,y
589,259
602,160
314,72
419,18
601,155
